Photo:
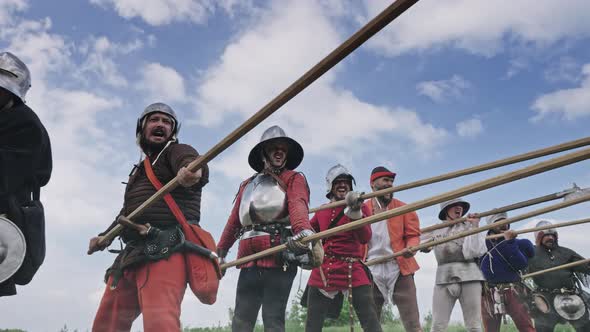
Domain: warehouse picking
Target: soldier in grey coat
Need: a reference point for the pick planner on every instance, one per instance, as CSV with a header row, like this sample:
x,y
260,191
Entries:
x,y
458,276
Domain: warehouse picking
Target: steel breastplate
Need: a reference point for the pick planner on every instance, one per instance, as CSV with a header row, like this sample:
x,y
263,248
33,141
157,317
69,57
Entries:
x,y
263,202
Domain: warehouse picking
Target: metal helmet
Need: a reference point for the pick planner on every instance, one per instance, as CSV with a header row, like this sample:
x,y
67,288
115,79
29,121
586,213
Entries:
x,y
12,248
294,155
569,306
496,217
336,172
442,215
157,108
14,75
539,234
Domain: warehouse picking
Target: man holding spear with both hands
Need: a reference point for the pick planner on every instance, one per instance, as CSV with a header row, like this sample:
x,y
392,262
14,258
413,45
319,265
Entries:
x,y
394,279
342,271
502,265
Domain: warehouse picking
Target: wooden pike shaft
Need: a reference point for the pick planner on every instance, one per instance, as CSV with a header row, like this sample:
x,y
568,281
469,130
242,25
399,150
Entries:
x,y
506,208
471,170
520,217
337,55
541,228
541,167
560,267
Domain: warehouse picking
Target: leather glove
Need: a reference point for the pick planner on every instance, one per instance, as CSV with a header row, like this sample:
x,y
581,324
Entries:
x,y
294,242
354,203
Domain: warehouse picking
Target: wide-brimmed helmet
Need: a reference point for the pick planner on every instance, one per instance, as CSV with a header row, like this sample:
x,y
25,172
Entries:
x,y
272,134
442,215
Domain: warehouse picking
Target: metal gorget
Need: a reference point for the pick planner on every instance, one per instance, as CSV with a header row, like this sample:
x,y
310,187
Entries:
x,y
263,202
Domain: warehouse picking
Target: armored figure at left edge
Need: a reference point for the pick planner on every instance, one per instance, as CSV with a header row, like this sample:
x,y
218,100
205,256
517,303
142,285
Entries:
x,y
142,280
25,167
269,208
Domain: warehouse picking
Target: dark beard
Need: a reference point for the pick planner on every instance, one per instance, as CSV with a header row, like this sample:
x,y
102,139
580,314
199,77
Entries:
x,y
384,200
150,148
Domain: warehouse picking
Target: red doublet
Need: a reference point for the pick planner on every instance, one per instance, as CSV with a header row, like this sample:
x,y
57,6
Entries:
x,y
335,270
298,205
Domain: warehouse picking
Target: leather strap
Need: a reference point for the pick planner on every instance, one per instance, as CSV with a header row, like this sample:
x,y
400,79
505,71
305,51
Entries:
x,y
168,197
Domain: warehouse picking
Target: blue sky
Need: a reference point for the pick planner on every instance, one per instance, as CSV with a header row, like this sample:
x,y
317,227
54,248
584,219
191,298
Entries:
x,y
449,85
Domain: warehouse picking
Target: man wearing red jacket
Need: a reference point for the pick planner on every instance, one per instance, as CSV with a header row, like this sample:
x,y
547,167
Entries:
x,y
269,207
394,279
342,270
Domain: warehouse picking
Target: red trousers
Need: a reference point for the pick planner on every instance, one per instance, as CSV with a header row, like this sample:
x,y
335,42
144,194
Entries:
x,y
154,289
514,307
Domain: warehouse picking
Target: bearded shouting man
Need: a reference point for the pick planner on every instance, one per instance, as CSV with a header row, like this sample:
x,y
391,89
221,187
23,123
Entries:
x,y
143,280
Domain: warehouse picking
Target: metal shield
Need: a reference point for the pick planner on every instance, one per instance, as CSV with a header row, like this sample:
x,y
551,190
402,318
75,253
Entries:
x,y
569,306
12,248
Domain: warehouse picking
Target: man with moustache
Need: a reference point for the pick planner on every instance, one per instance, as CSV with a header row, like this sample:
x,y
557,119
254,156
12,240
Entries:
x,y
458,276
394,279
269,208
562,288
342,270
140,281
25,167
502,265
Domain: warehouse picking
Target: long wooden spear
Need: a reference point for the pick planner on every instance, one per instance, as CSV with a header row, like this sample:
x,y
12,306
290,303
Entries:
x,y
555,268
472,231
356,40
471,170
506,208
479,186
542,228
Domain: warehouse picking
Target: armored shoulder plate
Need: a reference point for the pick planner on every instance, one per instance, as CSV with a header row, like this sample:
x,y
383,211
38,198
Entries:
x,y
263,201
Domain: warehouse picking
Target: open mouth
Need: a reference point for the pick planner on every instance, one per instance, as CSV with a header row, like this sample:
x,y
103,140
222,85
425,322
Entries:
x,y
279,156
341,190
158,133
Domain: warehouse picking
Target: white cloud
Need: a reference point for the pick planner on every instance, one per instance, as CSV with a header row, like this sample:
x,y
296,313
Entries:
x,y
443,90
162,83
566,69
162,12
238,86
100,61
8,8
469,128
569,103
479,26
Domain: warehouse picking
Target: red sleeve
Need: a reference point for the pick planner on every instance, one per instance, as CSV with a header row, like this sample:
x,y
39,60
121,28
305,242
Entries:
x,y
298,202
233,226
315,224
363,234
411,229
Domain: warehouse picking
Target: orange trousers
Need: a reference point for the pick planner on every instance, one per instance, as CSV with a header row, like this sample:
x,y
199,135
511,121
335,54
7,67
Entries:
x,y
154,289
